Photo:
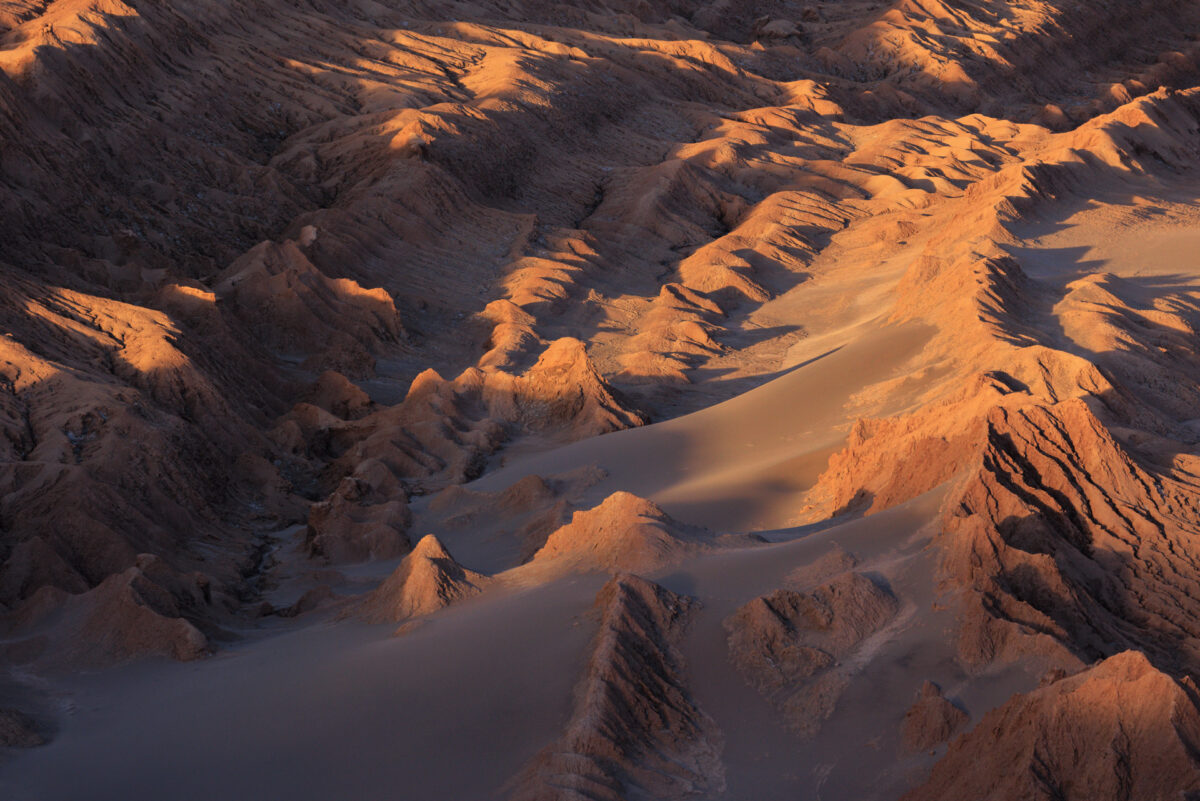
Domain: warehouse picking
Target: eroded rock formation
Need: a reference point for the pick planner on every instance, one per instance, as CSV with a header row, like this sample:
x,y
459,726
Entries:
x,y
635,730
1119,730
932,719
791,645
277,268
428,579
623,533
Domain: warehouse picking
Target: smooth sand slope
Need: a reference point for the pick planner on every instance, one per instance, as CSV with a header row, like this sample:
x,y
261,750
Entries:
x,y
548,401
346,710
327,711
741,465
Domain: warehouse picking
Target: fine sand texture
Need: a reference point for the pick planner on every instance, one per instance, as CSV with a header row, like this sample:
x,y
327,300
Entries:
x,y
575,401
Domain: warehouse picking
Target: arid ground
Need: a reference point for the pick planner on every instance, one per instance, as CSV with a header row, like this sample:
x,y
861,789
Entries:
x,y
744,400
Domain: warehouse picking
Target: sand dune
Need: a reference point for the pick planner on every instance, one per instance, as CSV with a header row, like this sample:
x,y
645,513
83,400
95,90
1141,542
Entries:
x,y
743,464
847,350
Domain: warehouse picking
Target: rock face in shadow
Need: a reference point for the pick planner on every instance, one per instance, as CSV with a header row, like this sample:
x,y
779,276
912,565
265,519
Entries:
x,y
441,434
294,308
635,731
119,442
366,517
1066,548
428,579
338,395
18,730
931,720
131,615
1119,731
531,223
792,646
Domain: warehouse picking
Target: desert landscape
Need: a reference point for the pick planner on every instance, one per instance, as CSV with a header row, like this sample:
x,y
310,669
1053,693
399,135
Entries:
x,y
535,400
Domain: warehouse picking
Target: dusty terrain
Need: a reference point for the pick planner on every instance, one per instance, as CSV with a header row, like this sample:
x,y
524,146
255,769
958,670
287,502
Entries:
x,y
563,400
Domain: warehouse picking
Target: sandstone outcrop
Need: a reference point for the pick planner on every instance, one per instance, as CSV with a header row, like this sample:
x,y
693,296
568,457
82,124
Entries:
x,y
932,719
130,615
426,580
635,729
790,645
1119,730
623,533
367,516
273,268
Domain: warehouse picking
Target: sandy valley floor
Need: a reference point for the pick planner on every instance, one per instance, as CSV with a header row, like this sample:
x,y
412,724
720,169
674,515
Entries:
x,y
562,401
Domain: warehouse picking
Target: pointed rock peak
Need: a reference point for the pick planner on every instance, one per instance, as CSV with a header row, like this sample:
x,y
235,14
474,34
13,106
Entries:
x,y
625,584
505,311
527,493
1121,717
629,602
568,356
338,395
931,720
1125,666
426,383
426,580
636,730
563,351
624,532
625,505
430,547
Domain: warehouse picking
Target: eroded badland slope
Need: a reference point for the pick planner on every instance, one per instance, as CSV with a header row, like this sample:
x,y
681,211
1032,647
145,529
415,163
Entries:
x,y
864,334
